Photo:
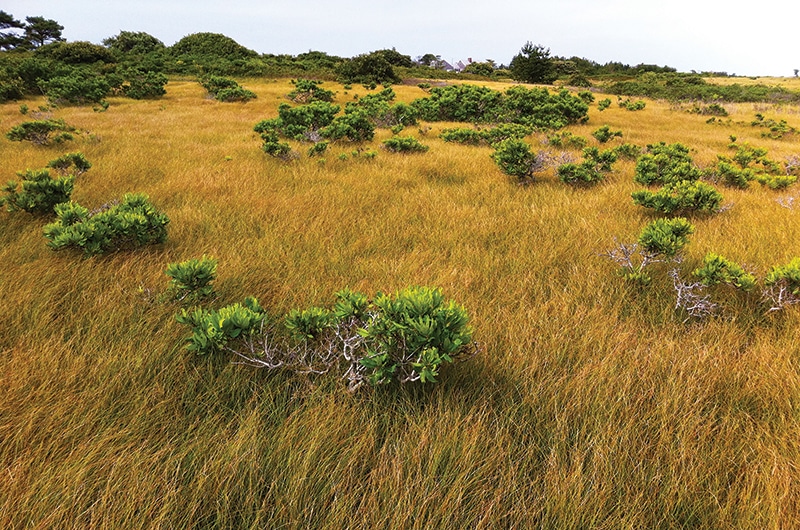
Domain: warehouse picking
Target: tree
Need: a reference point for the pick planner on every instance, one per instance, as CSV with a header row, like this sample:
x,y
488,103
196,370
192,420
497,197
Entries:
x,y
9,40
533,65
39,31
136,42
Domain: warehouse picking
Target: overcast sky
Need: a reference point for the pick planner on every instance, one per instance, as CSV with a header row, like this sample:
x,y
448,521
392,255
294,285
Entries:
x,y
745,38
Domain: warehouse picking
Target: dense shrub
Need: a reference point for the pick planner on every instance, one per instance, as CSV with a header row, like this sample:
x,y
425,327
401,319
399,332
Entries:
x,y
77,52
404,144
131,223
567,139
211,45
664,163
78,88
774,129
604,134
488,136
307,90
717,269
213,330
515,158
632,105
603,104
141,84
191,279
403,338
72,163
666,237
41,132
372,68
39,192
733,176
683,196
352,126
226,90
535,108
591,171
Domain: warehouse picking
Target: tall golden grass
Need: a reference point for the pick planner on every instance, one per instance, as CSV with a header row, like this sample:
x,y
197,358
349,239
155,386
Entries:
x,y
590,405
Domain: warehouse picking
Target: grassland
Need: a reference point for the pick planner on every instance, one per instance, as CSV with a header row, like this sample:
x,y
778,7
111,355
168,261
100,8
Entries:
x,y
590,405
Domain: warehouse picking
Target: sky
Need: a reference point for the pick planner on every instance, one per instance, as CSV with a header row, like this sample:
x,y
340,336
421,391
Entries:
x,y
740,38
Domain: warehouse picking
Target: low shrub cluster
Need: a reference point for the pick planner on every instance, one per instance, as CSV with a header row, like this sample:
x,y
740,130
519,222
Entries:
x,y
536,108
604,134
41,132
308,90
404,144
225,89
486,136
405,337
130,223
592,170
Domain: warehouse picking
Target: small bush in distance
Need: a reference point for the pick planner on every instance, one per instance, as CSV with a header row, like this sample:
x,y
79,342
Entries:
x,y
683,196
589,172
307,90
603,104
41,132
404,144
131,223
76,88
632,105
604,134
666,236
144,84
628,151
191,279
39,193
76,161
567,139
717,269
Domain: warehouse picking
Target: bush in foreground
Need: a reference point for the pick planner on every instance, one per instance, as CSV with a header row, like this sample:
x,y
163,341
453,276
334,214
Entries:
x,y
405,337
133,222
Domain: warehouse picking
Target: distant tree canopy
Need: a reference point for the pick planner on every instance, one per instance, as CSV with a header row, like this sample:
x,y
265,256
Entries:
x,y
35,32
533,65
373,67
135,42
212,45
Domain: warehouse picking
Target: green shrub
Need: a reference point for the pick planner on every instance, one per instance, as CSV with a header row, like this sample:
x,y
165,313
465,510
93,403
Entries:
x,y
76,161
632,105
318,149
412,335
567,139
226,90
307,90
353,127
402,338
603,104
788,274
775,129
134,222
666,236
515,158
309,324
714,109
584,174
776,182
212,330
716,269
665,163
463,136
604,134
77,88
733,176
39,132
585,95
628,151
589,172
39,193
404,144
144,84
192,278
682,196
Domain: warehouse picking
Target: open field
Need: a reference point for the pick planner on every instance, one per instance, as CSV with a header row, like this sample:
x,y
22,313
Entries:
x,y
590,405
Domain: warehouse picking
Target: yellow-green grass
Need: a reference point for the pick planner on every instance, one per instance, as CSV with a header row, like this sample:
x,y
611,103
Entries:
x,y
590,405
